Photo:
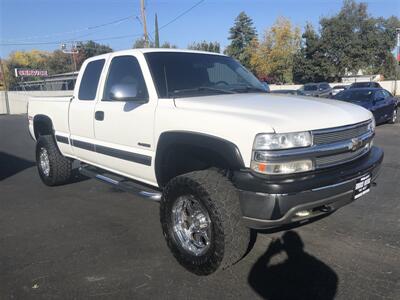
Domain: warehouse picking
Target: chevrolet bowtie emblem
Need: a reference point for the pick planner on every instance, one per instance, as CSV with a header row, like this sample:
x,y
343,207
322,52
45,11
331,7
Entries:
x,y
355,144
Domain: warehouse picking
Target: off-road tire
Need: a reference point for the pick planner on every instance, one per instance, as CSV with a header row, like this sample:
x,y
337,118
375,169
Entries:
x,y
60,166
229,237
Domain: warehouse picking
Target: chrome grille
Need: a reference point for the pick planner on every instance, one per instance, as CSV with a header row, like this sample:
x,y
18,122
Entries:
x,y
336,159
337,134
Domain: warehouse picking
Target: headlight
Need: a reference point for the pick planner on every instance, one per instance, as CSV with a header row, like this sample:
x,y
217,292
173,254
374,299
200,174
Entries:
x,y
276,168
277,141
371,125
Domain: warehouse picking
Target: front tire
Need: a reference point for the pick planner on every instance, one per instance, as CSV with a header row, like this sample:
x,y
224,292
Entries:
x,y
201,221
53,167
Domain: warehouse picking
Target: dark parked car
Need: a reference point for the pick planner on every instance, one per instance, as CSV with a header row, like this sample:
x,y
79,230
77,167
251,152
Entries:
x,y
369,84
322,89
379,101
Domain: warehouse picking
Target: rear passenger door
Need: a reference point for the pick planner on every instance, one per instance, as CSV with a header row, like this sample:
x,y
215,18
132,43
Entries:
x,y
81,110
124,119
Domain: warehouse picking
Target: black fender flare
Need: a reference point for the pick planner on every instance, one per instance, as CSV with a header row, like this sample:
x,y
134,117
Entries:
x,y
226,149
44,120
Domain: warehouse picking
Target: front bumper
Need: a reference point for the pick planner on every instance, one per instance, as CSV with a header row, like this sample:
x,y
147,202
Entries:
x,y
271,201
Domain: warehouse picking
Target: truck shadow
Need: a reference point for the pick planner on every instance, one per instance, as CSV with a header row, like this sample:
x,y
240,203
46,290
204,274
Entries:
x,y
11,165
299,276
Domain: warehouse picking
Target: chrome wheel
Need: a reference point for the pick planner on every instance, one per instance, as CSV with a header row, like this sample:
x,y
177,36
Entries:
x,y
191,225
394,117
44,162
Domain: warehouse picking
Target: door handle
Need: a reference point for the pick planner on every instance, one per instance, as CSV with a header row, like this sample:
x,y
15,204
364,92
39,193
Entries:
x,y
99,115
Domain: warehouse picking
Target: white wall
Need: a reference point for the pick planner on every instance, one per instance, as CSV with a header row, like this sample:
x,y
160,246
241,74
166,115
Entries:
x,y
388,85
3,107
19,100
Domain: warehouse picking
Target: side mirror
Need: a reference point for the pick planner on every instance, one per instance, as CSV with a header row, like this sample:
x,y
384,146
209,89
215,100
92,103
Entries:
x,y
123,92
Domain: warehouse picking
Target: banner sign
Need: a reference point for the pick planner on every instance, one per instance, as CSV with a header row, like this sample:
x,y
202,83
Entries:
x,y
30,73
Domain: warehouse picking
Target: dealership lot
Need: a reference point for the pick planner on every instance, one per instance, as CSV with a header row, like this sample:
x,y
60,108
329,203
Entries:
x,y
87,240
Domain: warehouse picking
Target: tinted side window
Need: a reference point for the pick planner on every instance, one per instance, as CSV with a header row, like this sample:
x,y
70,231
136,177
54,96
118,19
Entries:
x,y
125,80
379,95
325,86
90,80
387,94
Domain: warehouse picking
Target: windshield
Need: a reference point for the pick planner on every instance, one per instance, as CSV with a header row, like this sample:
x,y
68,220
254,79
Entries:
x,y
311,87
355,96
181,74
361,85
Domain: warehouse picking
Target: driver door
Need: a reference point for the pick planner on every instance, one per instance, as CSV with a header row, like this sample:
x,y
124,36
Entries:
x,y
124,120
378,106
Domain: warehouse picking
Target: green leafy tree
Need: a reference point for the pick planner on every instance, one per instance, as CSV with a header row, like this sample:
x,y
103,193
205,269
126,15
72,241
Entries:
x,y
168,45
141,43
353,40
241,35
156,34
310,63
348,42
90,49
206,46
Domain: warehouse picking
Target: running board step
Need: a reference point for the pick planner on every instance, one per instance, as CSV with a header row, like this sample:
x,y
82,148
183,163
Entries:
x,y
121,183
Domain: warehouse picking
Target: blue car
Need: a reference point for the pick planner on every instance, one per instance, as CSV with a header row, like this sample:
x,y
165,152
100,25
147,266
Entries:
x,y
379,101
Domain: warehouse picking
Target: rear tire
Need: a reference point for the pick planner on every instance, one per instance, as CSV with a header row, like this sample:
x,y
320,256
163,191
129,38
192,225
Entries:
x,y
217,203
53,167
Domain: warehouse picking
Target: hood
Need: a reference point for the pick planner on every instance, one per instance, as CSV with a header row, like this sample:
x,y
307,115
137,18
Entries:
x,y
284,113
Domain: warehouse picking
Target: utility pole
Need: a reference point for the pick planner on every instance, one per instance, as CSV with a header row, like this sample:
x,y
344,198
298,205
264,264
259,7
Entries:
x,y
5,87
397,60
74,50
157,35
143,10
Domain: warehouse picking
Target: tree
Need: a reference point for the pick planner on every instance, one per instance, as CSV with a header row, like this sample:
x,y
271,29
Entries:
x,y
141,43
33,59
156,34
168,45
90,49
273,55
353,40
60,62
241,35
206,46
310,63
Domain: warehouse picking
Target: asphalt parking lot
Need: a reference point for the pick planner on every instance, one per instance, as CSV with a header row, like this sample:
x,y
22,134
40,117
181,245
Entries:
x,y
87,240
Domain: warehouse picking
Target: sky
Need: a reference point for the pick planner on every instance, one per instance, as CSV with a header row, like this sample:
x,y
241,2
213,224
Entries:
x,y
45,24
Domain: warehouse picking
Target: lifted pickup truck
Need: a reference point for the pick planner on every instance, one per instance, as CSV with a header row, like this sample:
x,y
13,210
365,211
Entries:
x,y
199,133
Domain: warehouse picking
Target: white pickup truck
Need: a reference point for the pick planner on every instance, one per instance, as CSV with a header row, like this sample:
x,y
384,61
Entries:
x,y
199,133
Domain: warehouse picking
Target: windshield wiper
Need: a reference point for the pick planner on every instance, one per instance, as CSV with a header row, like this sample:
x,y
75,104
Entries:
x,y
202,88
249,89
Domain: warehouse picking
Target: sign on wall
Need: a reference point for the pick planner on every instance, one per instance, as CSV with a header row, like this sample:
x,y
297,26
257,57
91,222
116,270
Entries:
x,y
30,73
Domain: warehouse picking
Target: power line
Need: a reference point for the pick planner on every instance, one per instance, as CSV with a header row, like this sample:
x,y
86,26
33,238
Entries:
x,y
182,14
114,22
107,38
